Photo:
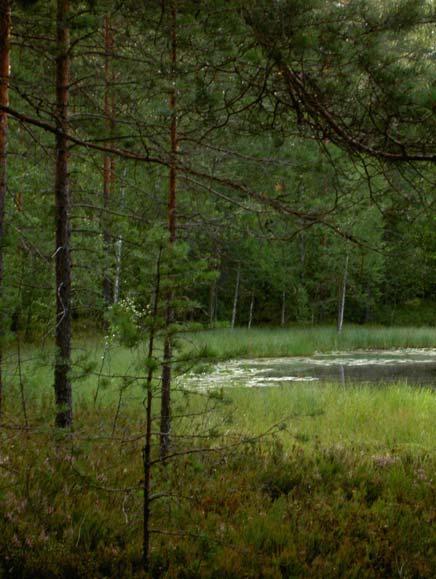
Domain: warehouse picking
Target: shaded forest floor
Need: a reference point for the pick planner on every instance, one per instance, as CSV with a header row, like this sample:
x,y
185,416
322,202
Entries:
x,y
303,481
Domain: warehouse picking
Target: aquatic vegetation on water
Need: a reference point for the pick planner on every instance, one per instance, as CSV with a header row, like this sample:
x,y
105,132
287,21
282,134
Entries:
x,y
412,365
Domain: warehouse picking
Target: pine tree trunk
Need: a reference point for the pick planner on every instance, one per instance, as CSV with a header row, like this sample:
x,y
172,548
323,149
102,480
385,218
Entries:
x,y
146,453
108,163
342,297
236,296
165,422
5,36
62,384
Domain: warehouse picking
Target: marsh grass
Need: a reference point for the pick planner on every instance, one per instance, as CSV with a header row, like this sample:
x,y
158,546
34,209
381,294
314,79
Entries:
x,y
109,370
370,417
303,341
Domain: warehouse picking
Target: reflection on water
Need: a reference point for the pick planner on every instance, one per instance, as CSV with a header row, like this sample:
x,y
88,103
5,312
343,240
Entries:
x,y
416,367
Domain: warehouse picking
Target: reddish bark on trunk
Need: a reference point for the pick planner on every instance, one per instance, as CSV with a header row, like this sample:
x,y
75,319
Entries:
x,y
5,35
62,384
165,424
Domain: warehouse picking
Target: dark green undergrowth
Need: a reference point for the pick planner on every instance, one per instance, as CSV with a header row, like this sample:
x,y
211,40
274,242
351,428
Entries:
x,y
72,507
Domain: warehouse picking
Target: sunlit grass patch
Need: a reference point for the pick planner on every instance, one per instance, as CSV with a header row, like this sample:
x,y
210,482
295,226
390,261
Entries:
x,y
329,414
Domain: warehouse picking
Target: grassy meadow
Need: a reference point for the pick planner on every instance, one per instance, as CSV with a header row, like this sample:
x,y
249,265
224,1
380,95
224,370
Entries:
x,y
302,480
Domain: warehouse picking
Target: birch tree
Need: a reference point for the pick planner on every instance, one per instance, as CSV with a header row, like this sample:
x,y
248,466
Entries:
x,y
236,296
342,296
109,162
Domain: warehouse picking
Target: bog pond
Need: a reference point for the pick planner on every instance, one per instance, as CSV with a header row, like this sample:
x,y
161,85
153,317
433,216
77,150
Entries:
x,y
411,366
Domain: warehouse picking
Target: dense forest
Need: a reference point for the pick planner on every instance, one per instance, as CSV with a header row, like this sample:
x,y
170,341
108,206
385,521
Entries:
x,y
169,167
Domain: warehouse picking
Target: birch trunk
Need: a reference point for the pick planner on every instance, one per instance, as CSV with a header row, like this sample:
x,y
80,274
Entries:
x,y
250,317
118,256
342,375
343,295
119,247
302,252
236,297
62,384
282,321
212,299
368,309
213,312
165,417
215,315
108,162
5,37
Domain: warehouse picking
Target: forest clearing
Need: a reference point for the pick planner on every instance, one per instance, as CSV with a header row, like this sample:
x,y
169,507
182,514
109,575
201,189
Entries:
x,y
217,289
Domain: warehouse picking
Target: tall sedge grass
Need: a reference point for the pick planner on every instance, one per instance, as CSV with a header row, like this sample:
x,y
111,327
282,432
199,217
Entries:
x,y
304,341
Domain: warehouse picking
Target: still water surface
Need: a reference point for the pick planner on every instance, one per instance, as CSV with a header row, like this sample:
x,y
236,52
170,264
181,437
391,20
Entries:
x,y
415,367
